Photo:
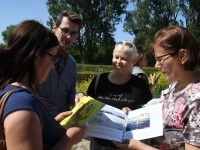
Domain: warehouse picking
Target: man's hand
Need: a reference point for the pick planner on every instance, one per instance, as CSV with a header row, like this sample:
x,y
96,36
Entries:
x,y
78,97
62,116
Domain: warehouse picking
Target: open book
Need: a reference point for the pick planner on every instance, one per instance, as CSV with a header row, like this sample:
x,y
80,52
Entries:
x,y
113,124
82,112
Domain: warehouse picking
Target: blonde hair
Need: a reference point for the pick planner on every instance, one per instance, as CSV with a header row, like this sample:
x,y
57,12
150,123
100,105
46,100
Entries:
x,y
126,46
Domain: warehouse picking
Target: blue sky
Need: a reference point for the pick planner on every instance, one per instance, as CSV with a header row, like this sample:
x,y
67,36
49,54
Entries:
x,y
14,11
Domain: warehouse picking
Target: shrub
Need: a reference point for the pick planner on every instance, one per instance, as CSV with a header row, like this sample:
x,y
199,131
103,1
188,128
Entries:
x,y
94,68
161,85
84,84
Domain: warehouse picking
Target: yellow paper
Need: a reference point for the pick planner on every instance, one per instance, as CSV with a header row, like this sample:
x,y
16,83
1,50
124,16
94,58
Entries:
x,y
82,112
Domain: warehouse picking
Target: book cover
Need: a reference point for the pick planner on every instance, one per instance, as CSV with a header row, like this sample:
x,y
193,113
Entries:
x,y
82,112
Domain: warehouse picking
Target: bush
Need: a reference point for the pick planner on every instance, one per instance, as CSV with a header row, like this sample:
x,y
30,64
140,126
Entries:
x,y
86,68
84,84
161,85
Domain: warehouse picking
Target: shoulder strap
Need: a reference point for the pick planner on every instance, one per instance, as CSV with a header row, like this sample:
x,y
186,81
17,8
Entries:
x,y
4,100
2,104
96,83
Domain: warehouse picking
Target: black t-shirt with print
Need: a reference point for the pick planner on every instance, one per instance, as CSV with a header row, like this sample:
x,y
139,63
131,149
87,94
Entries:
x,y
133,94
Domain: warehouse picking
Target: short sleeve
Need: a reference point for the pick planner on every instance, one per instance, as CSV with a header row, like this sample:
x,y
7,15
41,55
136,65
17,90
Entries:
x,y
21,100
192,131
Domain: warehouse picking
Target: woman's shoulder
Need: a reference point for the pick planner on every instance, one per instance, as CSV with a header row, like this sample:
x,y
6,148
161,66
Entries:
x,y
193,91
103,75
137,70
136,79
21,99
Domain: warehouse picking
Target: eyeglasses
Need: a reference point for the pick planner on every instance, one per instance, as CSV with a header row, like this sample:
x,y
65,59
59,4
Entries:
x,y
162,58
66,33
127,43
55,58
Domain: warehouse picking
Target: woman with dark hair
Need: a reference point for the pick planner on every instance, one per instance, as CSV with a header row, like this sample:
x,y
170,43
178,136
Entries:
x,y
176,52
30,54
140,62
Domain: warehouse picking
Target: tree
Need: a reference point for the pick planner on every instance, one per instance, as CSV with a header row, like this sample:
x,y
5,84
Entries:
x,y
2,45
6,33
97,37
148,17
190,10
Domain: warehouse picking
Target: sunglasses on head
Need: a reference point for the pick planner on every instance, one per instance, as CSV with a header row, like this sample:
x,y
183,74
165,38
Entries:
x,y
127,43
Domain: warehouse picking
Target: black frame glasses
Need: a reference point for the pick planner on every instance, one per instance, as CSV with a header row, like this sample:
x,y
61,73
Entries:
x,y
161,58
55,58
66,33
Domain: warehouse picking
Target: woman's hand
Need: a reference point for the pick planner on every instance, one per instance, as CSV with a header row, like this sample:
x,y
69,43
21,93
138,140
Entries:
x,y
133,145
126,145
76,134
73,136
126,110
78,97
153,78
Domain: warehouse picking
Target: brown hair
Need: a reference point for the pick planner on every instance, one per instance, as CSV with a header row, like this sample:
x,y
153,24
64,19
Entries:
x,y
24,42
139,58
73,17
175,38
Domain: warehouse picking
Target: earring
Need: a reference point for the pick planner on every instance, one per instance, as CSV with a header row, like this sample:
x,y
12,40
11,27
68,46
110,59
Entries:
x,y
182,66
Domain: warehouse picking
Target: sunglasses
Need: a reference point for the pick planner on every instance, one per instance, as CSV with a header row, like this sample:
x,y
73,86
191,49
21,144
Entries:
x,y
127,43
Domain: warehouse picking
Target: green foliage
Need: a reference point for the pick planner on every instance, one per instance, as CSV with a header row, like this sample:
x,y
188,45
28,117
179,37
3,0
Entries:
x,y
6,33
96,41
84,84
190,11
2,45
87,68
149,70
87,72
144,25
161,85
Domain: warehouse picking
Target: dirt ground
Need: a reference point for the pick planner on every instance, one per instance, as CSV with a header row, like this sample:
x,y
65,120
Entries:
x,y
83,145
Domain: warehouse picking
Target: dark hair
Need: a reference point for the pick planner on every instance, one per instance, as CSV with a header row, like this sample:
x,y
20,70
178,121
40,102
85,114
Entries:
x,y
73,17
17,58
175,38
139,58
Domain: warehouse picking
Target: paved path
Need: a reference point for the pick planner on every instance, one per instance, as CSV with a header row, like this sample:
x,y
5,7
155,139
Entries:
x,y
83,145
